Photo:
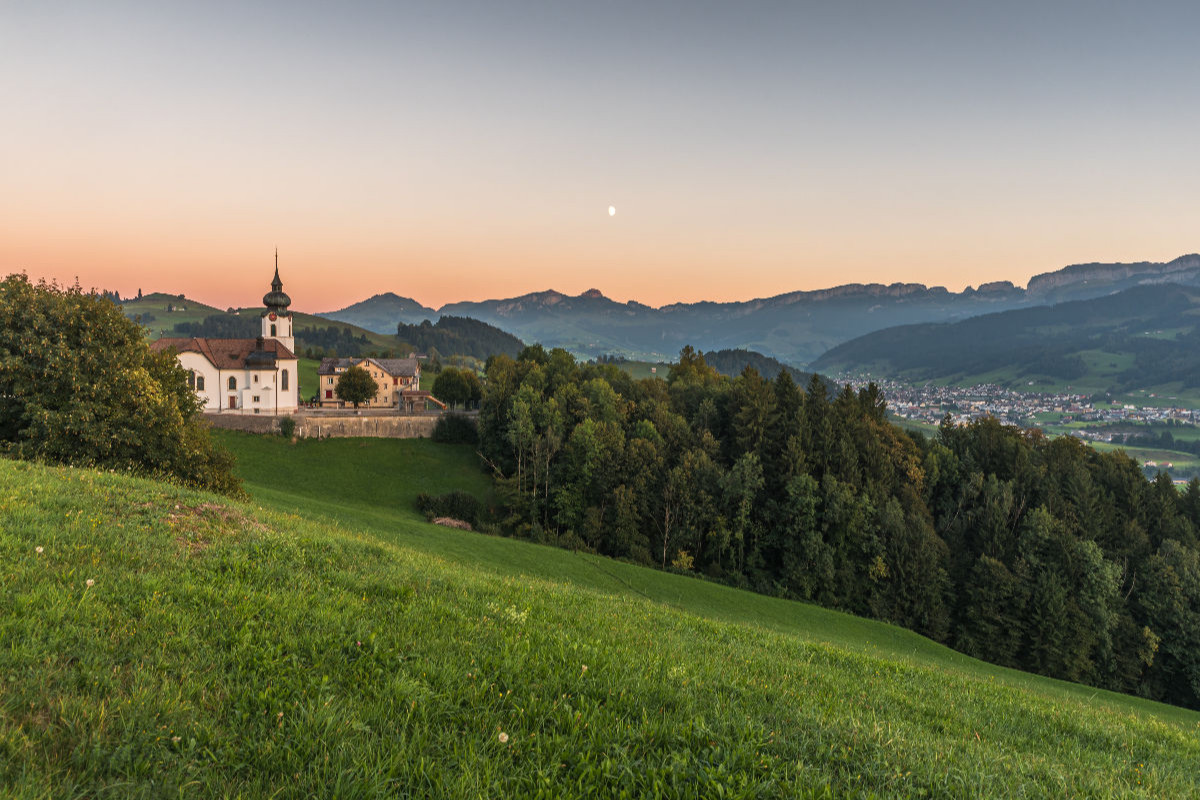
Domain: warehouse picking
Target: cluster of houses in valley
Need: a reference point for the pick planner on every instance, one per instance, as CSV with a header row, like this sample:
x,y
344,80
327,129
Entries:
x,y
261,375
931,404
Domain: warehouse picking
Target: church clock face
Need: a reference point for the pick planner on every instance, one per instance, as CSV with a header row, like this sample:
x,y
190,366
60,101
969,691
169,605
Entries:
x,y
271,316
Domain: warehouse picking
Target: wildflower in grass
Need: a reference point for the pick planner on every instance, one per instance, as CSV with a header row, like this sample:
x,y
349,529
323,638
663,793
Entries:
x,y
38,549
90,583
585,667
503,737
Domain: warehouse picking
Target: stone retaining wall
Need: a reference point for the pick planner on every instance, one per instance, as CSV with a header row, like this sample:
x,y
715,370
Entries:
x,y
392,426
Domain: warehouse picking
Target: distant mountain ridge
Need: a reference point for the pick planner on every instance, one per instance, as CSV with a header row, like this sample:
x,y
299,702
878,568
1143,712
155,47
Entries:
x,y
795,327
382,312
1144,336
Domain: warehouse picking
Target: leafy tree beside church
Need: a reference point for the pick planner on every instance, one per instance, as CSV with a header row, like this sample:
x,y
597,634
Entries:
x,y
81,386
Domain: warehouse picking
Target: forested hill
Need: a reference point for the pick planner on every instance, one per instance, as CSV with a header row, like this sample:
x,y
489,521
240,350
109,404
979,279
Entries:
x,y
459,336
1029,552
732,362
1145,336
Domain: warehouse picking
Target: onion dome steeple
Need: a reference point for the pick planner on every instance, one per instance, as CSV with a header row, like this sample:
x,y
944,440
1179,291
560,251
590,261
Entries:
x,y
275,300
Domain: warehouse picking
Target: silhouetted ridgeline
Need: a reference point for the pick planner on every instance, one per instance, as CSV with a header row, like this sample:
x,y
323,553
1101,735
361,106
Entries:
x,y
1038,554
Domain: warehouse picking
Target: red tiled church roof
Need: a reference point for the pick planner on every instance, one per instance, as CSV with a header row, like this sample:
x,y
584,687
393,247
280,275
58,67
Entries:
x,y
224,353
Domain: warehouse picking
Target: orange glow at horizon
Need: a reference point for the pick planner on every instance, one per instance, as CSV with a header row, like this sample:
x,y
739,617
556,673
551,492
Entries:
x,y
323,278
454,157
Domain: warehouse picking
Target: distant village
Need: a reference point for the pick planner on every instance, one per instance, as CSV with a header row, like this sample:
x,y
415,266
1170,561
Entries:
x,y
930,404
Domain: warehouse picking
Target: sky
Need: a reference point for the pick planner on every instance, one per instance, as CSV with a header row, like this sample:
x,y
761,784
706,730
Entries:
x,y
453,151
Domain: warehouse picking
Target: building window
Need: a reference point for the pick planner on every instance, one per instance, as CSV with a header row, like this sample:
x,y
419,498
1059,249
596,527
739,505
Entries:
x,y
331,381
232,383
256,398
199,383
272,330
283,381
256,379
329,394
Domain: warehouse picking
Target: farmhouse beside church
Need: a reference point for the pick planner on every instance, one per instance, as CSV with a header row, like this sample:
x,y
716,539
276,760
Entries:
x,y
245,376
398,381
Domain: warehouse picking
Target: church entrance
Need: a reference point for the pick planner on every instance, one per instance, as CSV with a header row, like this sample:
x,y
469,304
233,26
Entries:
x,y
232,401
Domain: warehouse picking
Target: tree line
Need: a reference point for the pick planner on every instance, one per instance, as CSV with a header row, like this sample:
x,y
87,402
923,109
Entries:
x,y
1040,554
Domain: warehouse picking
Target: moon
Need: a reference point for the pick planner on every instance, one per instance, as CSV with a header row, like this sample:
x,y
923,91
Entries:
x,y
612,210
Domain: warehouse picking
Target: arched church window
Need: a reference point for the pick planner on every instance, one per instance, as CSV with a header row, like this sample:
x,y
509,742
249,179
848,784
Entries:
x,y
272,330
283,381
232,382
199,383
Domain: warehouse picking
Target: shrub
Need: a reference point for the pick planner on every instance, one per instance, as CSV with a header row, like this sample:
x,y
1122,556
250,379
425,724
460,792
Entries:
x,y
287,427
456,504
455,429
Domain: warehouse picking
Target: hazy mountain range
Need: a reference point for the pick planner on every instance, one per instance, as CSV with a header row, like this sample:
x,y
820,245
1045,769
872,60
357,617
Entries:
x,y
797,327
1145,336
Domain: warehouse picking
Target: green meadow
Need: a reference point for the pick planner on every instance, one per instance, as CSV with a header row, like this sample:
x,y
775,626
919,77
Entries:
x,y
323,640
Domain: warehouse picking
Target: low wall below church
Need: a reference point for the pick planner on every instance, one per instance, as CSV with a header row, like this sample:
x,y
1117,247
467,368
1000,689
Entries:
x,y
325,426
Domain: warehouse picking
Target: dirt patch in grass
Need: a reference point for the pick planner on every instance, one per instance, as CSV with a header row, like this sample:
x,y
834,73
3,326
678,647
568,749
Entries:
x,y
197,527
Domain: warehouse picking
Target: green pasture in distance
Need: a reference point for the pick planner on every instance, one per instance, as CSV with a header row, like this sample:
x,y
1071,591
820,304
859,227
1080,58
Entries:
x,y
309,382
164,321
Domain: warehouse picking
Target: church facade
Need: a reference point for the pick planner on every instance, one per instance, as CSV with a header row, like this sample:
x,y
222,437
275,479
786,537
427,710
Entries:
x,y
245,376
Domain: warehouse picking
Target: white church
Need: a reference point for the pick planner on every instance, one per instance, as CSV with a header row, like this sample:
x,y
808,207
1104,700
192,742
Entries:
x,y
245,376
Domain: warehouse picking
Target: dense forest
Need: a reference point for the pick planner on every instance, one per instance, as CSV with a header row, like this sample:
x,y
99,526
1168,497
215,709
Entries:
x,y
461,336
1029,552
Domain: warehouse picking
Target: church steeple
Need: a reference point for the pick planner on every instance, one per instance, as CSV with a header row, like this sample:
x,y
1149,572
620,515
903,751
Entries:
x,y
276,319
275,300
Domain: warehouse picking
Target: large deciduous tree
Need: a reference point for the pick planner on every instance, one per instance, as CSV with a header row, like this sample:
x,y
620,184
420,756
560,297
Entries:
x,y
79,385
356,385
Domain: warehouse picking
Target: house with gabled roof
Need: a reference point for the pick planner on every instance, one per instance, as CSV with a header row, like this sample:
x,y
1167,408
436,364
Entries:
x,y
398,381
245,376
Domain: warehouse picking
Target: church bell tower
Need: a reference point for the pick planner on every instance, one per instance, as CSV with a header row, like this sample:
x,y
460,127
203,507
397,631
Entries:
x,y
276,319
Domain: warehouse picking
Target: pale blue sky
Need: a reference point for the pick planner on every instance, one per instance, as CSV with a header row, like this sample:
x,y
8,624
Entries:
x,y
462,150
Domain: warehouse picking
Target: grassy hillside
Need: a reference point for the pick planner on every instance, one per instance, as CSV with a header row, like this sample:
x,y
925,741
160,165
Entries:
x,y
164,321
322,640
372,484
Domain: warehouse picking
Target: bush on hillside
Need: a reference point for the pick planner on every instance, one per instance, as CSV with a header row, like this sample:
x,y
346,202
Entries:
x,y
456,505
81,386
455,429
287,427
